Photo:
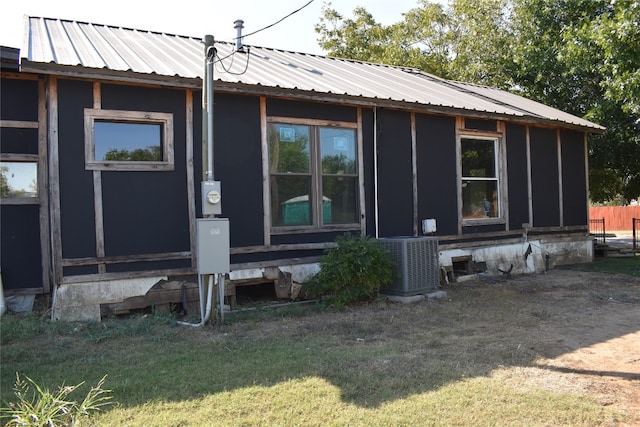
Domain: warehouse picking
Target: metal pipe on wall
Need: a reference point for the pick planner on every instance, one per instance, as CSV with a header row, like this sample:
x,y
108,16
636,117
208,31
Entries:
x,y
376,210
210,51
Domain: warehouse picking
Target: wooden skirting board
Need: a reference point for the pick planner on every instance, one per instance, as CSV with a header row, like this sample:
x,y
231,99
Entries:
x,y
166,294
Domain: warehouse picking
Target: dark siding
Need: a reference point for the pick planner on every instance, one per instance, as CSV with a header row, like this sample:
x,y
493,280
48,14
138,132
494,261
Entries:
x,y
272,256
76,184
78,271
198,170
238,165
369,172
481,124
436,163
544,177
395,177
308,110
516,144
134,98
147,212
310,237
19,100
20,251
490,228
152,265
19,141
574,186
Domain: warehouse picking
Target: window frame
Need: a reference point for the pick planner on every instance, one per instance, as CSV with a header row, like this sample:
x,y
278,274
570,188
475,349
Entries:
x,y
500,177
165,120
316,176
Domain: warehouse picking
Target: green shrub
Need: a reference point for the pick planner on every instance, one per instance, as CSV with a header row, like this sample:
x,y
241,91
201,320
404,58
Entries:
x,y
42,408
352,271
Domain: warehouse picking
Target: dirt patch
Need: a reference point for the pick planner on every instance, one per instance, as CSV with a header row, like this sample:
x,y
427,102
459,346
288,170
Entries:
x,y
595,347
564,331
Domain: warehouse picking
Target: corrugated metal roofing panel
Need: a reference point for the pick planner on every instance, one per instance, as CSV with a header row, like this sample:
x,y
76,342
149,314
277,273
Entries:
x,y
95,46
533,107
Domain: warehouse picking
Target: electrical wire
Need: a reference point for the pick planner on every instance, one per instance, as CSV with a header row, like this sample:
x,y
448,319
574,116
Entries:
x,y
228,70
277,22
231,55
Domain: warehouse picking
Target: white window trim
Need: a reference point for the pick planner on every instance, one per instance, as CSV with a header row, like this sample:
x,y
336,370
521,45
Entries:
x,y
316,228
122,116
500,164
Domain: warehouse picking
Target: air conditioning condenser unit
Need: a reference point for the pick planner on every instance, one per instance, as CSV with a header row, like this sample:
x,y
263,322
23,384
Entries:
x,y
416,267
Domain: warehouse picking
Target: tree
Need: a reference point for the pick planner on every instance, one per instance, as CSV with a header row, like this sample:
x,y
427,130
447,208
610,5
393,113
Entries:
x,y
480,42
583,57
580,56
419,41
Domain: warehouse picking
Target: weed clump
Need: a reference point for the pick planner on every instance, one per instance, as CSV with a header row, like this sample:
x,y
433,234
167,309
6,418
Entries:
x,y
37,406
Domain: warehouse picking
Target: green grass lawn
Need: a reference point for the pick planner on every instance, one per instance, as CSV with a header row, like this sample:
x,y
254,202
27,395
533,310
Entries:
x,y
629,265
382,364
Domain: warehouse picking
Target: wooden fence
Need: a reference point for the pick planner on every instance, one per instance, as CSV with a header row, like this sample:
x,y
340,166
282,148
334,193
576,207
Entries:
x,y
617,218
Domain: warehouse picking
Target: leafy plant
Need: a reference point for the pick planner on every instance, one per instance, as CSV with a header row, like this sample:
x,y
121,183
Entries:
x,y
353,270
42,408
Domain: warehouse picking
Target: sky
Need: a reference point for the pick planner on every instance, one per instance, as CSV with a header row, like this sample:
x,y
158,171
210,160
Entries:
x,y
196,18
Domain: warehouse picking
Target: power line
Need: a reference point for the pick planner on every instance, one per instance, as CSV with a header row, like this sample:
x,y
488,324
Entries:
x,y
277,22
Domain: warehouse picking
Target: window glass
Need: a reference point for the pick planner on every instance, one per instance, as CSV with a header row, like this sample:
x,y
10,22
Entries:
x,y
18,179
314,175
289,148
338,151
479,179
139,142
339,204
479,199
478,158
119,140
290,204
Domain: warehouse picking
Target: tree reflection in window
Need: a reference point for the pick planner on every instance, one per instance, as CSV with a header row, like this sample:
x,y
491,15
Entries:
x,y
149,154
313,175
18,179
134,142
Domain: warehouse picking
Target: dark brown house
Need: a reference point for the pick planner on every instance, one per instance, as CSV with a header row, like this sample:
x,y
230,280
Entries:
x,y
102,158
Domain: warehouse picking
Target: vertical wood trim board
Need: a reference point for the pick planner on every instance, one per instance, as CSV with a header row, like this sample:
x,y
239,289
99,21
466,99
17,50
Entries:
x,y
266,201
54,181
191,198
45,242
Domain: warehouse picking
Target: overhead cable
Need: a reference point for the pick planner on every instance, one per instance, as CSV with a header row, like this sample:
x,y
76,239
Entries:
x,y
278,21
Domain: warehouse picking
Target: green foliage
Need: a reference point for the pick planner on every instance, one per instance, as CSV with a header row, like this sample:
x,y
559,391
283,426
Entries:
x,y
580,56
39,407
609,265
150,154
352,271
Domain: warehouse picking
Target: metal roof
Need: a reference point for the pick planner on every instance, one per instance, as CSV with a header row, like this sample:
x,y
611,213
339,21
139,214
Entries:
x,y
51,43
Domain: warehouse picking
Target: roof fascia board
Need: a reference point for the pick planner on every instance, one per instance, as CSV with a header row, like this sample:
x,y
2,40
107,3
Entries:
x,y
296,94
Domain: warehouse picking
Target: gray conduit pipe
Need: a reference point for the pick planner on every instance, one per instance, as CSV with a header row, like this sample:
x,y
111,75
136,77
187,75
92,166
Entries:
x,y
204,317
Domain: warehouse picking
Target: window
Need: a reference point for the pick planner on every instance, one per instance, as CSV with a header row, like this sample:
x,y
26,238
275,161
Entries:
x,y
313,176
480,178
18,179
128,140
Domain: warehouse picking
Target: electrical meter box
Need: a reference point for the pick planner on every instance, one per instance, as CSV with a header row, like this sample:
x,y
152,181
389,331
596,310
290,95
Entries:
x,y
211,198
212,245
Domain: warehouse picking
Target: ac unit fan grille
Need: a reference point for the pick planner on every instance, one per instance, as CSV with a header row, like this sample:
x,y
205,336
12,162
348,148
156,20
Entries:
x,y
416,265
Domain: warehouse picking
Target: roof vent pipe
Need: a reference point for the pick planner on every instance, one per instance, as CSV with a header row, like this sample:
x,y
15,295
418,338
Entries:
x,y
238,25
